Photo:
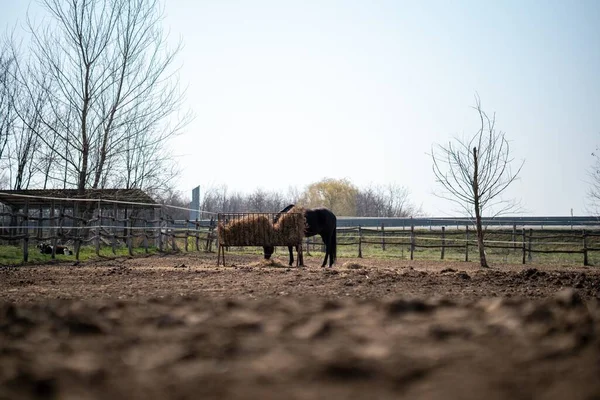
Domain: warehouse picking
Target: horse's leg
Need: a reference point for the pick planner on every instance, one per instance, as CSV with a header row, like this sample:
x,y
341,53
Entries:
x,y
332,246
326,241
300,255
291,249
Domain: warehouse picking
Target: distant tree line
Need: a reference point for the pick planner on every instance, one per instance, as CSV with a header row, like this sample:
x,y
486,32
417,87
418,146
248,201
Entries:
x,y
339,195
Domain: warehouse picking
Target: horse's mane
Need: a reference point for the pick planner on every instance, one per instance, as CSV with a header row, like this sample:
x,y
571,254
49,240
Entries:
x,y
285,210
288,208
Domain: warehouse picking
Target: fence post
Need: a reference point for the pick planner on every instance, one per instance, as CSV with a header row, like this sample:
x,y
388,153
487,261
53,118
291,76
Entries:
x,y
359,242
75,227
524,248
529,258
382,237
308,246
209,235
443,241
113,229
40,225
129,221
187,233
25,224
412,241
197,235
125,221
98,229
160,226
585,249
146,233
172,234
467,245
53,232
61,222
514,237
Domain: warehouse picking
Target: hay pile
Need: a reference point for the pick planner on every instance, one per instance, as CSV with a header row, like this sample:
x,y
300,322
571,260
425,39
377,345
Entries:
x,y
250,230
352,265
258,230
269,264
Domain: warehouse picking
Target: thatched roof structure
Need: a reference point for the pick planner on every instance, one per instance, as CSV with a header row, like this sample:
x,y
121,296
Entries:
x,y
45,197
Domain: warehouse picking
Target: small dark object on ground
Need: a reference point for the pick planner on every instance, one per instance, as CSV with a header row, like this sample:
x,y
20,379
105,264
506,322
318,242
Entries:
x,y
60,249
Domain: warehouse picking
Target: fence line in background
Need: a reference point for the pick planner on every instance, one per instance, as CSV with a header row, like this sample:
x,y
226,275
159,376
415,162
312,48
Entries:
x,y
109,223
100,223
576,242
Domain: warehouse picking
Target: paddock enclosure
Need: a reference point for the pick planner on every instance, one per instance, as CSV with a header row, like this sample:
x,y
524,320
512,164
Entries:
x,y
108,223
176,326
143,311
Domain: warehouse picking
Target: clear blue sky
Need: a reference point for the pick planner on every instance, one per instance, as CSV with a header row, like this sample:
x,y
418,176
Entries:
x,y
287,93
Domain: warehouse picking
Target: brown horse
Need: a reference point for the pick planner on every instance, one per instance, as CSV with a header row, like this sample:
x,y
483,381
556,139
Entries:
x,y
319,221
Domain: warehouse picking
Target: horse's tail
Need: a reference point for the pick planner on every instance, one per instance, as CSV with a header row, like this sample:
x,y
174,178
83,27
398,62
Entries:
x,y
333,240
333,254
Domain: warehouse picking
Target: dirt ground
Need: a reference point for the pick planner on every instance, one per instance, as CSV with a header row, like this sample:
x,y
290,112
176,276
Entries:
x,y
178,327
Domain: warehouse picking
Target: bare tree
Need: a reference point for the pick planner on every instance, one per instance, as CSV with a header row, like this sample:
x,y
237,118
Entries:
x,y
385,201
112,91
19,113
219,199
593,195
177,204
476,172
24,146
8,115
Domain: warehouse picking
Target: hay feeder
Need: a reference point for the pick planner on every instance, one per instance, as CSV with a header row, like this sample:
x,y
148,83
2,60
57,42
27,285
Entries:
x,y
260,229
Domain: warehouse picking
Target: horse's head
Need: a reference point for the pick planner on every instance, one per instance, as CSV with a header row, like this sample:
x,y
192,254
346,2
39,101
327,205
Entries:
x,y
269,250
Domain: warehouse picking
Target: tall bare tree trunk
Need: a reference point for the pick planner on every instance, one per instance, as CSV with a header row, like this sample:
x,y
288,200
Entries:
x,y
475,172
479,228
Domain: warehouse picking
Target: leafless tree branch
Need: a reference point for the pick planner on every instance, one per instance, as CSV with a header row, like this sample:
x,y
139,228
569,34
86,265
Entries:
x,y
475,173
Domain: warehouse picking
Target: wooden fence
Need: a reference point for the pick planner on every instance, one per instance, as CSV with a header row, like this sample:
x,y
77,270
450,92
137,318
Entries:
x,y
111,225
524,242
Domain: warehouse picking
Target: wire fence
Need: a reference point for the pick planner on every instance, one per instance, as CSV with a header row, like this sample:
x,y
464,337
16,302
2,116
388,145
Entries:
x,y
99,225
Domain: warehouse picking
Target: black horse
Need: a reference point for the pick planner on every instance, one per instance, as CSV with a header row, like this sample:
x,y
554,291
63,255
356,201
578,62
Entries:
x,y
319,221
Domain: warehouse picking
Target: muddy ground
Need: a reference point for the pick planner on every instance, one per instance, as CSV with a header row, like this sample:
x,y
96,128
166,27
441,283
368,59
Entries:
x,y
178,327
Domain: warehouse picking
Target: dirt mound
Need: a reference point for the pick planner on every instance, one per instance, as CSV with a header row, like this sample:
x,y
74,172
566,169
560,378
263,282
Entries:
x,y
195,347
179,327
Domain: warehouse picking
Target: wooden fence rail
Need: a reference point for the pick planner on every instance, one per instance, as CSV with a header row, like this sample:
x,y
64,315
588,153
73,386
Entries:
x,y
546,241
110,227
104,227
